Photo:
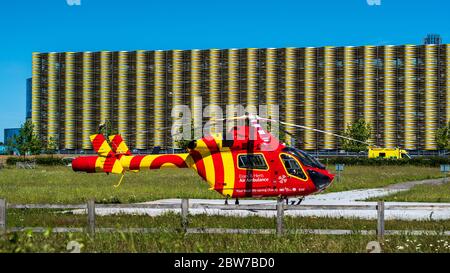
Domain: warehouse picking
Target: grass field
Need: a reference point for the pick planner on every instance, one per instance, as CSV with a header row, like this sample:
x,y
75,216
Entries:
x,y
178,242
422,193
54,218
62,185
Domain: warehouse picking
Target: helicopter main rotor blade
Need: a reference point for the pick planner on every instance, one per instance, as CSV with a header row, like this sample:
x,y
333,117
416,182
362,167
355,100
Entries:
x,y
313,129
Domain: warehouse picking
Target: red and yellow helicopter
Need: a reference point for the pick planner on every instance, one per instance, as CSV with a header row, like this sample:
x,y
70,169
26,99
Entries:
x,y
253,163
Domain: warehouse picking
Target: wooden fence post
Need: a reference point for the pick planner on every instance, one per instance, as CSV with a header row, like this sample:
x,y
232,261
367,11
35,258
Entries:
x,y
91,216
2,216
380,220
184,213
280,214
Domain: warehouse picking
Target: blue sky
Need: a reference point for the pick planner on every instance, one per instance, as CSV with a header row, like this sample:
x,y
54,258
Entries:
x,y
53,25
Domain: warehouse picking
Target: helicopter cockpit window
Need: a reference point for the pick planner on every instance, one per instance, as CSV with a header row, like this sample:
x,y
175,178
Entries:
x,y
304,158
292,166
252,161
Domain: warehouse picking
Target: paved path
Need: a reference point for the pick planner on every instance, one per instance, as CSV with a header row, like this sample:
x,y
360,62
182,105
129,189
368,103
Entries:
x,y
352,197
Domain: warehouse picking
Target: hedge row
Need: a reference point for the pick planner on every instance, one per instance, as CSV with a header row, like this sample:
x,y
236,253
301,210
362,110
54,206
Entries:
x,y
48,161
417,161
363,161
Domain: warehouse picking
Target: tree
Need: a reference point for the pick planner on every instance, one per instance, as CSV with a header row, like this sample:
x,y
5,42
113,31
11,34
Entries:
x,y
179,141
27,142
443,137
107,129
52,146
359,130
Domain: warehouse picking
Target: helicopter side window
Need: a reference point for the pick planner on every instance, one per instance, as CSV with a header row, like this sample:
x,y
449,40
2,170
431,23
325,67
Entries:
x,y
252,161
292,166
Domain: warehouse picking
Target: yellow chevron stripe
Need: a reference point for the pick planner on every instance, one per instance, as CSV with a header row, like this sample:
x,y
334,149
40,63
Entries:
x,y
99,163
104,149
190,162
146,161
228,169
209,164
122,148
117,167
125,162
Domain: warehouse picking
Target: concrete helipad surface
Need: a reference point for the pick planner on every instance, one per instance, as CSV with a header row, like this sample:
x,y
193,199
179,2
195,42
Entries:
x,y
352,197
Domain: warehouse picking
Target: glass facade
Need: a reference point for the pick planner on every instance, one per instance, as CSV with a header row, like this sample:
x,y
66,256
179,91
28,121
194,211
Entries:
x,y
403,91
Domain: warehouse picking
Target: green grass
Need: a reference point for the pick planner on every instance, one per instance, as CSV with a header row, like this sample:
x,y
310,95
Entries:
x,y
363,177
178,242
422,193
54,218
62,185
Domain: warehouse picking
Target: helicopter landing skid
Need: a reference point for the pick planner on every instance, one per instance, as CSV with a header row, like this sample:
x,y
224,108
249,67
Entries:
x,y
294,202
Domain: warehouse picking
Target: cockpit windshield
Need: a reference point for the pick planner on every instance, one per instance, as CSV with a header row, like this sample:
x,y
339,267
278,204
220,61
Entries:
x,y
305,158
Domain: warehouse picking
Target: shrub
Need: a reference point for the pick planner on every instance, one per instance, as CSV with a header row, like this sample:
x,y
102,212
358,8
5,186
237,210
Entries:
x,y
46,161
364,161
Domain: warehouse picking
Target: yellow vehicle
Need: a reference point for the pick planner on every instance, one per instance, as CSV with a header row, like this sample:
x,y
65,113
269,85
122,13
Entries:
x,y
388,153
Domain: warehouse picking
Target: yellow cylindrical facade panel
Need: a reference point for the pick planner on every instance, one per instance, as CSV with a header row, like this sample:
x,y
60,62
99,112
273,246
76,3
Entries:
x,y
431,115
122,98
252,78
349,85
88,101
390,140
159,98
310,98
196,91
370,102
177,80
330,97
52,97
410,97
69,102
233,77
141,117
105,86
447,83
36,92
291,89
214,77
271,81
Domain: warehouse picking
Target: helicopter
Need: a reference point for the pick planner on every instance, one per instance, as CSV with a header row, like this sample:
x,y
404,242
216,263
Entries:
x,y
253,163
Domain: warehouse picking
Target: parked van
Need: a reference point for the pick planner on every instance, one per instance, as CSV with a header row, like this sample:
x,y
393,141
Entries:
x,y
388,153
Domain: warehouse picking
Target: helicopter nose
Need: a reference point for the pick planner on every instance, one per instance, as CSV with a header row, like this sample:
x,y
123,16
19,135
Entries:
x,y
321,180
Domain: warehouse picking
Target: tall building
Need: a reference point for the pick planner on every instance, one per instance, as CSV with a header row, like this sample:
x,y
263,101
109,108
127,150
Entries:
x,y
28,99
403,91
10,133
432,39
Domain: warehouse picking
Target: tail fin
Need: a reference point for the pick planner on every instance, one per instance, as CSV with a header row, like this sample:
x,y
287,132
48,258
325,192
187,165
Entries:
x,y
118,145
101,146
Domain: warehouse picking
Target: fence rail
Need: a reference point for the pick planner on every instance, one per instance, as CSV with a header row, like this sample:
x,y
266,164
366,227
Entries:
x,y
280,207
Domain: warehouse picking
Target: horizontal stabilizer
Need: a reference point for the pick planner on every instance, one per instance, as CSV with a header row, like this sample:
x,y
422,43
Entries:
x,y
100,145
118,145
